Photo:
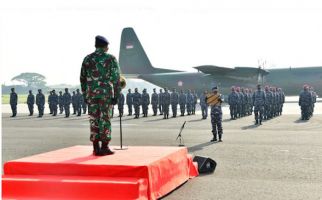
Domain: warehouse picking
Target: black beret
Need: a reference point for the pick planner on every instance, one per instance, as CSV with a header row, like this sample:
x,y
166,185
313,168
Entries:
x,y
101,41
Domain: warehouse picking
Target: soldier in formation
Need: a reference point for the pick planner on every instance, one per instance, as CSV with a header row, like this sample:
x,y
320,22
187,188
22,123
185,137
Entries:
x,y
155,102
74,102
54,103
50,105
120,104
305,102
40,102
145,102
67,99
233,100
137,97
166,100
161,102
30,103
174,100
204,104
314,96
194,104
13,102
259,103
61,102
182,102
129,102
190,101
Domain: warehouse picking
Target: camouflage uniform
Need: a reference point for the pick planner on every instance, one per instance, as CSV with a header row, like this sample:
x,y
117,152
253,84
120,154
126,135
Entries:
x,y
129,102
305,101
216,119
40,102
155,102
314,96
174,99
166,103
30,103
61,102
120,104
67,99
145,103
136,103
259,103
84,105
282,100
100,83
54,102
190,101
182,102
161,102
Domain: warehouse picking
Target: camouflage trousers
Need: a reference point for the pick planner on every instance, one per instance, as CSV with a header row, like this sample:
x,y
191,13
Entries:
x,y
155,108
259,110
129,107
174,109
100,111
233,110
216,121
182,108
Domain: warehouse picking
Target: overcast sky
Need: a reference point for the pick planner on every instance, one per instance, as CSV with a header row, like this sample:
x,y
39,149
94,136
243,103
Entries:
x,y
52,37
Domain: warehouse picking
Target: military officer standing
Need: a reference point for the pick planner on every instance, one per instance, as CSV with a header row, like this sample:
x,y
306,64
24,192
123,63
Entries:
x,y
67,99
84,105
182,102
120,104
145,103
305,101
129,102
100,83
74,103
136,103
13,102
54,102
233,103
155,102
161,102
78,102
50,104
166,103
216,114
30,103
204,105
259,103
174,99
190,101
268,104
314,96
40,102
61,102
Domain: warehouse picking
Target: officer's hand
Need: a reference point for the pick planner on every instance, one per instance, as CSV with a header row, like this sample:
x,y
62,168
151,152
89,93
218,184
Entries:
x,y
114,101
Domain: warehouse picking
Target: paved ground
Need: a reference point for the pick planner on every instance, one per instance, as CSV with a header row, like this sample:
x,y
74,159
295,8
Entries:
x,y
282,159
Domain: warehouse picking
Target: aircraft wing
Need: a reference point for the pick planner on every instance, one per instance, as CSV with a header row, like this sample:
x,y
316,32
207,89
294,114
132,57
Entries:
x,y
233,72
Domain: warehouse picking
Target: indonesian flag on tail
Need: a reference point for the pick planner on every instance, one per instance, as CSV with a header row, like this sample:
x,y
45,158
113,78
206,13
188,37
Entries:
x,y
129,46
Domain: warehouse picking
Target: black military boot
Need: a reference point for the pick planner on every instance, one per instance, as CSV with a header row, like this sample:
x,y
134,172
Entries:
x,y
214,139
220,140
105,150
260,122
256,122
96,148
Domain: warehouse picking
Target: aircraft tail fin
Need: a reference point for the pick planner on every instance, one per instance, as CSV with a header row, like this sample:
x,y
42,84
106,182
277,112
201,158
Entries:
x,y
133,59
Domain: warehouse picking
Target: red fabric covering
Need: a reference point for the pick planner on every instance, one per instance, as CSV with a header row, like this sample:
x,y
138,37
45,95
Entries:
x,y
73,187
165,168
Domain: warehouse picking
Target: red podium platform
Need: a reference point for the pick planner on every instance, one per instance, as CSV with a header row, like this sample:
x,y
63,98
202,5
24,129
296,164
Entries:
x,y
74,173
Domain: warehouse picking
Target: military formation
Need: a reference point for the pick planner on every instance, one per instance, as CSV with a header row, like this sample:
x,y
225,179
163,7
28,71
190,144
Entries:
x,y
55,102
162,103
266,104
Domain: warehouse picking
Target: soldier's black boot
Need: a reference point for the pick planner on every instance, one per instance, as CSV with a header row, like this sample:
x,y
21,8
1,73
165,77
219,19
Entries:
x,y
220,137
214,139
96,148
260,122
256,122
105,150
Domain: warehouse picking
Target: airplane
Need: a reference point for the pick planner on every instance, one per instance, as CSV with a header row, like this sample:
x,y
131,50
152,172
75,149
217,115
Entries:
x,y
134,63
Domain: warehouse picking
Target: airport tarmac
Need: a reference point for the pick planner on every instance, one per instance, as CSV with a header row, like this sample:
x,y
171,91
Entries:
x,y
282,159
